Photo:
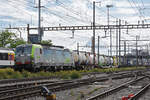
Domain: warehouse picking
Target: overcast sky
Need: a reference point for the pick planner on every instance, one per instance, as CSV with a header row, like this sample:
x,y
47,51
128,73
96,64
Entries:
x,y
75,12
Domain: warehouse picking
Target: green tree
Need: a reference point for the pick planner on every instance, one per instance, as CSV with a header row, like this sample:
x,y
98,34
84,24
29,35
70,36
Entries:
x,y
46,42
6,38
17,42
10,39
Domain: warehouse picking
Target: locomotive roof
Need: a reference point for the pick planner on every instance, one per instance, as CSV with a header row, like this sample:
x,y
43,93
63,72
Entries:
x,y
24,45
41,45
56,48
46,46
52,45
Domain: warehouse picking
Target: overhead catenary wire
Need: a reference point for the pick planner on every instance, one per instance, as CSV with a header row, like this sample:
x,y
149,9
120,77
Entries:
x,y
136,8
64,18
20,9
46,21
61,4
29,7
47,8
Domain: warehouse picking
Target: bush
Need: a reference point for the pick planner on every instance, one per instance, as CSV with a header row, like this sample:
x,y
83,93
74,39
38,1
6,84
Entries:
x,y
75,75
95,70
44,74
9,73
26,74
65,76
17,75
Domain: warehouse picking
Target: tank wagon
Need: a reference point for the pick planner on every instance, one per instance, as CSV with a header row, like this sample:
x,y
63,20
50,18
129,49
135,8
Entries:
x,y
6,57
85,59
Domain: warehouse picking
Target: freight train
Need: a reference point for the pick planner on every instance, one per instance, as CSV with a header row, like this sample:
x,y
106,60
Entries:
x,y
35,57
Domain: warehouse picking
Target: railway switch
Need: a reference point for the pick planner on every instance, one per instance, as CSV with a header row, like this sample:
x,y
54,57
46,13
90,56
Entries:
x,y
45,92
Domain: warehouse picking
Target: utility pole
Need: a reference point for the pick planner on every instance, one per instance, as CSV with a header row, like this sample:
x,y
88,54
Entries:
x,y
116,39
119,42
136,51
94,31
20,33
125,60
147,54
78,48
28,33
110,43
39,20
72,34
110,47
98,49
128,49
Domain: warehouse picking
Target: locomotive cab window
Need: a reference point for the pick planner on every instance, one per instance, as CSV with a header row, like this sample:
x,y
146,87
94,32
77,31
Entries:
x,y
24,50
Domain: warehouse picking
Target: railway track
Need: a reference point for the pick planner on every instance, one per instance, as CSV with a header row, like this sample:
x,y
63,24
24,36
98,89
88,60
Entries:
x,y
26,92
11,81
116,89
22,83
141,92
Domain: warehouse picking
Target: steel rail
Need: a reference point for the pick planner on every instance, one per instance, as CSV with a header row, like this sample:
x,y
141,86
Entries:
x,y
15,91
141,92
26,92
5,81
109,92
24,85
21,83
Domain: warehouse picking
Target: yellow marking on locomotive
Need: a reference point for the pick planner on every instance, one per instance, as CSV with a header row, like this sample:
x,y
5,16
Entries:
x,y
67,60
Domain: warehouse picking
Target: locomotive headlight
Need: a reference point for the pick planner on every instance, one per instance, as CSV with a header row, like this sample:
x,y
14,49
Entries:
x,y
21,55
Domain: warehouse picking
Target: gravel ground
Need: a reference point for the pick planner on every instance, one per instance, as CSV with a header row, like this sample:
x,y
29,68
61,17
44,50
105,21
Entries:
x,y
94,75
146,96
84,92
130,90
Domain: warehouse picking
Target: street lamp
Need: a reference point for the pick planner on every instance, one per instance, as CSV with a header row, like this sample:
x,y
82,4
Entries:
x,y
108,7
